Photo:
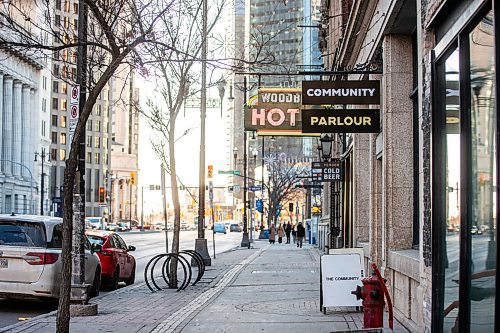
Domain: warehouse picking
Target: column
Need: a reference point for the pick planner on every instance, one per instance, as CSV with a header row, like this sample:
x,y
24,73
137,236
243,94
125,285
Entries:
x,y
25,130
16,128
34,126
7,125
1,122
397,120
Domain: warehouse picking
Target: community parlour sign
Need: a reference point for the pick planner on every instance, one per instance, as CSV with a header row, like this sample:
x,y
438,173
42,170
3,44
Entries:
x,y
341,121
340,92
277,112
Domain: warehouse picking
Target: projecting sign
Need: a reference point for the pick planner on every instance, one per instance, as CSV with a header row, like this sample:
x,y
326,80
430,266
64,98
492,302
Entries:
x,y
341,121
340,92
275,111
326,171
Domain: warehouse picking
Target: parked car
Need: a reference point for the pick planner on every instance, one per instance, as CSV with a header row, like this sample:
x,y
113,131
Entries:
x,y
116,261
235,227
184,225
219,227
30,258
474,230
97,222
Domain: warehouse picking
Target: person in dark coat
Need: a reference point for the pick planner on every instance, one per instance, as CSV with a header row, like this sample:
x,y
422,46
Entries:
x,y
288,230
301,233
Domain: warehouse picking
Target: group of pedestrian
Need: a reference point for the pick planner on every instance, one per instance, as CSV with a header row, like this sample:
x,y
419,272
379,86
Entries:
x,y
297,232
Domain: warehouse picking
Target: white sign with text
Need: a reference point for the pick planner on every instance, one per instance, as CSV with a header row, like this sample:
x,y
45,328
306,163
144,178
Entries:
x,y
341,273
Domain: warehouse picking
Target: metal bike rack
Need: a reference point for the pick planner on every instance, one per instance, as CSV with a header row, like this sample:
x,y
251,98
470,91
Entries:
x,y
195,259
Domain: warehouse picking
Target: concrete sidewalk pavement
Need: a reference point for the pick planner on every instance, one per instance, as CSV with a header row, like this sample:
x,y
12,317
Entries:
x,y
270,288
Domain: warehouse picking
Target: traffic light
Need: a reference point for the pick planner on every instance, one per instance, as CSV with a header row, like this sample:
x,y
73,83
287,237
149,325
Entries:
x,y
102,194
290,206
210,173
133,178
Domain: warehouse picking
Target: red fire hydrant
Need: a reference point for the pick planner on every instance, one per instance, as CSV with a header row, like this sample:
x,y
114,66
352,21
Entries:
x,y
372,293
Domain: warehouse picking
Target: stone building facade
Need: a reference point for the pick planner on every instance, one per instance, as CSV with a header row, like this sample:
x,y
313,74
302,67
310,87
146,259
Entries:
x,y
421,193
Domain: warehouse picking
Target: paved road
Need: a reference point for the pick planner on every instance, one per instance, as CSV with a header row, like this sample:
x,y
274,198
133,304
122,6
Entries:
x,y
147,245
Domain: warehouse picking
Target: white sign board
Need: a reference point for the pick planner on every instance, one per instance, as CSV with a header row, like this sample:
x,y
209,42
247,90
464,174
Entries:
x,y
340,274
74,97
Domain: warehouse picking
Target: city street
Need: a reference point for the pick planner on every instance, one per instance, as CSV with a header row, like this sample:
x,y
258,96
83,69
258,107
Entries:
x,y
147,245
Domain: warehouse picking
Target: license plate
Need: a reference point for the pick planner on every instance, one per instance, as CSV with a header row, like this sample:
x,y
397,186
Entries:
x,y
4,263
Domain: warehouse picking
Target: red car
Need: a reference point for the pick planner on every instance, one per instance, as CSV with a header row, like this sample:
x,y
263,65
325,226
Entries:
x,y
116,262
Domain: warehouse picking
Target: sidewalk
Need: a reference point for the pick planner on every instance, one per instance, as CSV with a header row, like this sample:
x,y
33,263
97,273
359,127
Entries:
x,y
265,289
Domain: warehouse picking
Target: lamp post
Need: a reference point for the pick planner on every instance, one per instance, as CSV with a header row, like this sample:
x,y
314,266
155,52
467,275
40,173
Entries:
x,y
42,180
326,141
245,242
235,155
255,153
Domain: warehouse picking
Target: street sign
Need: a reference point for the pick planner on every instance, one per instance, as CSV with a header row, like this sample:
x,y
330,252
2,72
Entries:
x,y
236,188
308,186
259,205
255,188
74,98
212,103
210,190
229,172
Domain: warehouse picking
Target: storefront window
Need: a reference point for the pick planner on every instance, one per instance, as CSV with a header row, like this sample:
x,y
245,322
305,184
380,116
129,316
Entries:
x,y
483,128
451,258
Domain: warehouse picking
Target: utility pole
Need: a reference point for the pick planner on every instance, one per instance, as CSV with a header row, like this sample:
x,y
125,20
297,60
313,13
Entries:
x,y
201,242
79,290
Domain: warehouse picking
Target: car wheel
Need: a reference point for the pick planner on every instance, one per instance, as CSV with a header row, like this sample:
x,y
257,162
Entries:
x,y
131,279
115,279
96,284
225,232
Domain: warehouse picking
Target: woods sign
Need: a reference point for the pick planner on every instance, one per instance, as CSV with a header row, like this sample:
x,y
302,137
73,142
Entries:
x,y
276,111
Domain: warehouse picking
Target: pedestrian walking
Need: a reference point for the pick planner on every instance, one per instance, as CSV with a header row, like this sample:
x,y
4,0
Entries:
x,y
272,234
294,234
288,230
281,233
301,233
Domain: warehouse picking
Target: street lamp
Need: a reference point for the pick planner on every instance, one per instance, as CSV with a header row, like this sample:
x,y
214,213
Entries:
x,y
326,146
42,182
221,86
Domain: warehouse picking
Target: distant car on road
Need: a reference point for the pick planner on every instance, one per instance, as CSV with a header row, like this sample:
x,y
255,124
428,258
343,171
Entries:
x,y
235,227
116,261
112,227
30,258
219,227
97,222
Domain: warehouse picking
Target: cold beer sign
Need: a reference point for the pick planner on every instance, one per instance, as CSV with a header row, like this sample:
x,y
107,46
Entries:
x,y
277,112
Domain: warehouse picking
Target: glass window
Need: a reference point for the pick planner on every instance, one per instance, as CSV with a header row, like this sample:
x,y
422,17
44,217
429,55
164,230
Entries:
x,y
89,141
483,130
19,233
62,154
55,86
62,138
64,104
64,87
54,137
54,120
97,142
451,244
63,121
53,154
55,103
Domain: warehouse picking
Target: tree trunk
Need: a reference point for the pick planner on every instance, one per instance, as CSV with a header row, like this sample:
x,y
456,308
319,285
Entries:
x,y
175,199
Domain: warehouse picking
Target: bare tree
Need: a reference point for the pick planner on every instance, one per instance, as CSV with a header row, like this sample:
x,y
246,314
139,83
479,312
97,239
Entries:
x,y
118,29
282,178
179,78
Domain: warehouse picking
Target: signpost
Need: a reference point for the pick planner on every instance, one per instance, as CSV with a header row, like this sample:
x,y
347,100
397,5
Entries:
x,y
255,188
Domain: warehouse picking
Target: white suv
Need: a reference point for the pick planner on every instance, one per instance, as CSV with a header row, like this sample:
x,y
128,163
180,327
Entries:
x,y
30,257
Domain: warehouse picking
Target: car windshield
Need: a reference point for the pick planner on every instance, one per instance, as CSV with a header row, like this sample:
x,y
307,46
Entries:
x,y
95,239
21,233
